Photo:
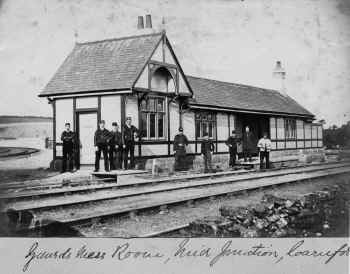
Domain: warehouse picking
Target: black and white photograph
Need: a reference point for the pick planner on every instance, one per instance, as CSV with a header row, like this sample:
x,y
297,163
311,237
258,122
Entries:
x,y
207,119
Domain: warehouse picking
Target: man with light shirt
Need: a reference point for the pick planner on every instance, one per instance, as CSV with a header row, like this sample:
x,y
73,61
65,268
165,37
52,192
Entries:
x,y
264,146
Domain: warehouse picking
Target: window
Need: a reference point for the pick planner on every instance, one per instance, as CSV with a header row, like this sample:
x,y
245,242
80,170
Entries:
x,y
205,124
153,118
291,128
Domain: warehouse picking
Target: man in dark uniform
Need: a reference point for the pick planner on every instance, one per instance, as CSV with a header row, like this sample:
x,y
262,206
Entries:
x,y
232,142
248,144
115,148
130,132
207,148
101,139
180,143
68,139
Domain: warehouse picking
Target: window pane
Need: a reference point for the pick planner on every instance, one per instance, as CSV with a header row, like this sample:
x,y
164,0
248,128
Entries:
x,y
204,129
152,125
198,129
151,105
160,105
144,124
198,116
144,105
160,125
210,129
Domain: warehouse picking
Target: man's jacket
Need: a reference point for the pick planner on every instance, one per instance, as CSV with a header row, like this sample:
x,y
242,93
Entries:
x,y
101,137
264,144
232,142
180,143
68,138
207,146
115,139
248,141
129,133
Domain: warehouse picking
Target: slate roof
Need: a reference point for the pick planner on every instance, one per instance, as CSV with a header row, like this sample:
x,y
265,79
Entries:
x,y
242,97
112,64
115,64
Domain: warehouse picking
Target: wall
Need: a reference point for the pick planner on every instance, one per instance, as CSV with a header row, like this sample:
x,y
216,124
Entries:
x,y
64,114
110,110
131,109
308,135
189,129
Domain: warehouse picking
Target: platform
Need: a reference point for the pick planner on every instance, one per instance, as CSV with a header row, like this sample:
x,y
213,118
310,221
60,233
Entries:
x,y
274,162
116,173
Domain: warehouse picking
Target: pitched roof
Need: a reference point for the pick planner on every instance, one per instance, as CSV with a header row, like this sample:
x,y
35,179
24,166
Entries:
x,y
112,64
242,97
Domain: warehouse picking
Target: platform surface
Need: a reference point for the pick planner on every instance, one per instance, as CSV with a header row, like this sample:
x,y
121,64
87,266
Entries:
x,y
117,173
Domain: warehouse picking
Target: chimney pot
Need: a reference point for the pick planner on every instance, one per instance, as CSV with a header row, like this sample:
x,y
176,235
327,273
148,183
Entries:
x,y
148,21
140,24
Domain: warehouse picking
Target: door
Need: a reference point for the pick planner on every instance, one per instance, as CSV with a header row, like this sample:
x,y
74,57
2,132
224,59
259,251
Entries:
x,y
87,125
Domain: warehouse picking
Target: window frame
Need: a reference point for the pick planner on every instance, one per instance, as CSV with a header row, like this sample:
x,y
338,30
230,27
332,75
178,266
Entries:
x,y
290,129
158,113
205,118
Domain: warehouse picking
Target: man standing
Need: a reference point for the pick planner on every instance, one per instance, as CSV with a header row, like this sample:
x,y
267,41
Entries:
x,y
248,144
231,142
115,148
129,134
68,139
101,139
180,143
264,146
207,148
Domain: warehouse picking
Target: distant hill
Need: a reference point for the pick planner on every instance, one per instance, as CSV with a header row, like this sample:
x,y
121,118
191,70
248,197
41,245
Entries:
x,y
5,119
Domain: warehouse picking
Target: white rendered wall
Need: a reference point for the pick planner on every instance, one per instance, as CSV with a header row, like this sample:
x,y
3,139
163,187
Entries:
x,y
188,125
131,109
110,110
174,119
86,102
232,123
273,128
222,126
64,114
149,150
280,128
307,131
300,129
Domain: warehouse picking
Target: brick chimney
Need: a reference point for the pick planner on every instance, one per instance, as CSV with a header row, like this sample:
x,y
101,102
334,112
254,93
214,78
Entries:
x,y
144,28
140,24
279,76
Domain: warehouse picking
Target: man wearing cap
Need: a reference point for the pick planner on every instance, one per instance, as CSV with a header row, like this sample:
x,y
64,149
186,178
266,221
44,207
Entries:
x,y
207,148
232,142
130,132
68,140
180,143
102,136
115,148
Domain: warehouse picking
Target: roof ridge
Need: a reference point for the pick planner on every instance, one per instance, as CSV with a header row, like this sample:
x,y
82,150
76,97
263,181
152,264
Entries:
x,y
119,38
237,84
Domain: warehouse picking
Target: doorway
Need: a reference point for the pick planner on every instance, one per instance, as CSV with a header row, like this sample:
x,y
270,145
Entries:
x,y
86,127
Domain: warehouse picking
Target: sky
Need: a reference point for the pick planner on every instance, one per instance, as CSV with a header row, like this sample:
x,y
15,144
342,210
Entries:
x,y
230,40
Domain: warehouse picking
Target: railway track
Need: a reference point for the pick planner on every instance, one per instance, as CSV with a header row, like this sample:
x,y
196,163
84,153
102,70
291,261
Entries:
x,y
95,205
81,195
19,192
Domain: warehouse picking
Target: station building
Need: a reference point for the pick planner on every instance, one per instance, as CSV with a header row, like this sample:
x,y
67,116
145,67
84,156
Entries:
x,y
140,76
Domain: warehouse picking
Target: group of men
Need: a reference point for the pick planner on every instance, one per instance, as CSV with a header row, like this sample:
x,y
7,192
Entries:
x,y
249,146
115,146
